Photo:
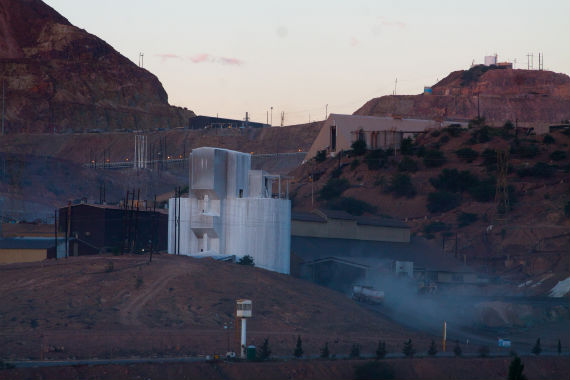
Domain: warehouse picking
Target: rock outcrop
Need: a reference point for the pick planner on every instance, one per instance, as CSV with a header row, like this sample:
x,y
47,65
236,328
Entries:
x,y
60,78
529,96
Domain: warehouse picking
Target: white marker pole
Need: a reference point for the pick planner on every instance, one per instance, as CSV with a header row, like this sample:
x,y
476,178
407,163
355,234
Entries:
x,y
243,340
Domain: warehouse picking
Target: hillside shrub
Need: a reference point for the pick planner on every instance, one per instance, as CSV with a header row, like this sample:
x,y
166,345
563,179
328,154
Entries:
x,y
409,349
436,227
516,369
524,151
434,158
453,130
407,146
539,170
466,218
480,135
246,260
408,164
352,205
467,154
333,188
444,139
558,155
490,159
421,151
401,185
354,164
375,159
454,181
264,352
321,155
337,172
484,191
358,147
548,139
435,133
441,201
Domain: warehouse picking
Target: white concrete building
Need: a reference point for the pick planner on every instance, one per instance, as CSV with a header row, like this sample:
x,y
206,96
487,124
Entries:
x,y
232,210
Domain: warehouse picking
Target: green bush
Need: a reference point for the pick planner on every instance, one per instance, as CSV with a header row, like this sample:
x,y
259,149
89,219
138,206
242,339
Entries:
x,y
321,155
558,155
407,146
358,147
374,371
352,206
409,349
466,218
480,135
336,172
444,139
333,188
436,227
421,151
453,130
354,164
264,352
246,260
375,159
408,164
490,159
454,181
516,369
539,170
401,185
442,201
467,154
548,139
435,133
484,191
434,158
524,151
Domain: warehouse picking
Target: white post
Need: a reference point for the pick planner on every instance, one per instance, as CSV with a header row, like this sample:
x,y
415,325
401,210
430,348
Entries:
x,y
243,340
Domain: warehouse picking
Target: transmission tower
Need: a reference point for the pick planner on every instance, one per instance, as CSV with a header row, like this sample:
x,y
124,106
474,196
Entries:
x,y
502,189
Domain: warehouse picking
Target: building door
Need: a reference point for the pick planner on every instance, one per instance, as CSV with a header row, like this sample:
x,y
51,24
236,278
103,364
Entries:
x,y
333,138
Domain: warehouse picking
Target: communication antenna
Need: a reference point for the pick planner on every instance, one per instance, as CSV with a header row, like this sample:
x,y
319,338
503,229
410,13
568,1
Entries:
x,y
395,86
282,118
528,61
141,59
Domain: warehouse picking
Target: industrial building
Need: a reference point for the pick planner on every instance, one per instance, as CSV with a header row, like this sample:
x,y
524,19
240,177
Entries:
x,y
30,249
100,228
232,210
207,122
340,131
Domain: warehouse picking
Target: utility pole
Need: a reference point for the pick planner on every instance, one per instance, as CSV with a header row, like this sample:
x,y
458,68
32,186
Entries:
x,y
3,103
272,116
395,86
528,61
326,111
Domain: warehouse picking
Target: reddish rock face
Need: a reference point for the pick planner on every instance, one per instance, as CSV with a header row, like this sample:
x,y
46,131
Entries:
x,y
529,96
59,77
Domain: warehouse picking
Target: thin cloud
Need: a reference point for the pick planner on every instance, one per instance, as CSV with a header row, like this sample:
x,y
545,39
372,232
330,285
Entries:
x,y
166,56
199,58
384,21
230,61
353,41
208,58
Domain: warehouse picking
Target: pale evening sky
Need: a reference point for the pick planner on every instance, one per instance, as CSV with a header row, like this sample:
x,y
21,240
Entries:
x,y
229,57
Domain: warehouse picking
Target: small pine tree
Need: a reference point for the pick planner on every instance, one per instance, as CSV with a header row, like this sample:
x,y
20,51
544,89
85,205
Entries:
x,y
457,349
559,347
298,348
408,349
325,354
355,351
516,370
265,351
432,351
381,350
537,349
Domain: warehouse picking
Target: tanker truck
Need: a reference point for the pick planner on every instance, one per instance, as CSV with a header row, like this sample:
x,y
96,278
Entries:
x,y
368,294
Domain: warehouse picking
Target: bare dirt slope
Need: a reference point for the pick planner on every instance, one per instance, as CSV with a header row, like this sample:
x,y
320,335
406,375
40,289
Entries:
x,y
120,306
59,77
529,96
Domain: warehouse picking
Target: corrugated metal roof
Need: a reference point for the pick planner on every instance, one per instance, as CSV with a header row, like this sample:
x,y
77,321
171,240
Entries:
x,y
307,217
336,214
382,123
381,222
28,243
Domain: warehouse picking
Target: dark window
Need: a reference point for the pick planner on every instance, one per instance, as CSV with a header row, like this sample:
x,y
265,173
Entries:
x,y
241,193
333,138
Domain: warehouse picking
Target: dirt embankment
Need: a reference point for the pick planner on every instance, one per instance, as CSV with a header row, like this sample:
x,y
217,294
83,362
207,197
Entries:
x,y
425,368
111,307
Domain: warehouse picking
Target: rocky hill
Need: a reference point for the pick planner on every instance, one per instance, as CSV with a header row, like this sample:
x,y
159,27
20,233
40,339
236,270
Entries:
x,y
527,96
60,78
